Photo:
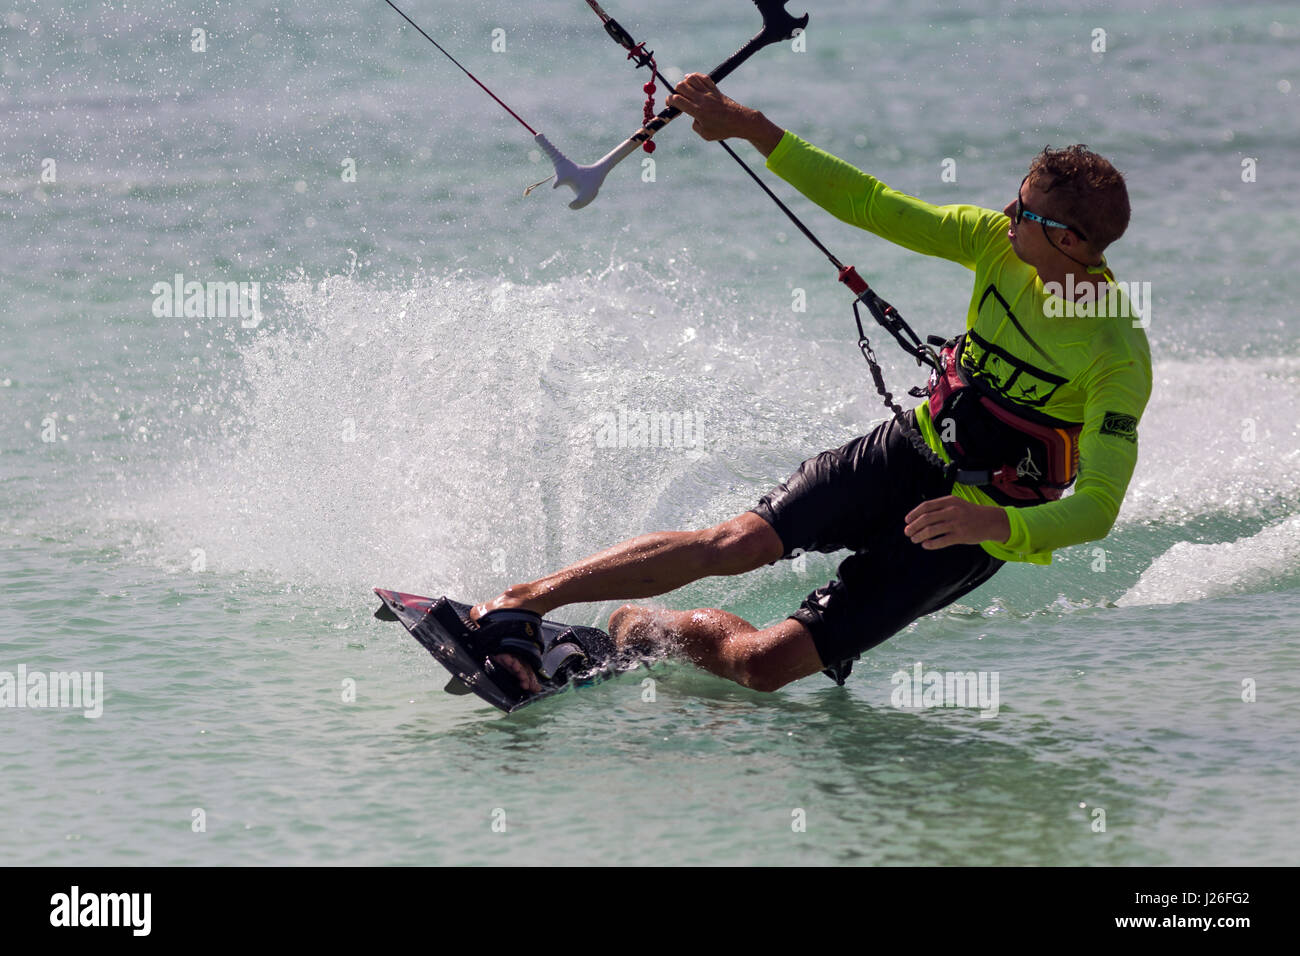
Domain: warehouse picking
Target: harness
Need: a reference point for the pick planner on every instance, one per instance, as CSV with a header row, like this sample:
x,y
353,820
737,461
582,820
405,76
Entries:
x,y
1016,455
1019,456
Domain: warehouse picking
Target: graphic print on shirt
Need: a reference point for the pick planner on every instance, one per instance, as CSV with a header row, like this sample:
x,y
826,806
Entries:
x,y
1002,373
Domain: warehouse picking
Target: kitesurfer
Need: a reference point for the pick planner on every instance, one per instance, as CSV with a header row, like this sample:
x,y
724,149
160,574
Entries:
x,y
1069,391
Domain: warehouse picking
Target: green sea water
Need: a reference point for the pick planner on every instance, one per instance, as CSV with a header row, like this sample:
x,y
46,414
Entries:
x,y
196,507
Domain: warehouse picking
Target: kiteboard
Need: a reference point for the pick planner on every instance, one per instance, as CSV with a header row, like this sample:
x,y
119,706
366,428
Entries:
x,y
573,655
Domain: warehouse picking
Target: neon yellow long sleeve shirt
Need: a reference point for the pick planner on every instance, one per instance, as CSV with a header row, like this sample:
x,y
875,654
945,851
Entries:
x,y
1094,369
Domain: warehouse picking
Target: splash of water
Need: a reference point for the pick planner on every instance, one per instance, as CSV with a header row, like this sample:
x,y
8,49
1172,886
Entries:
x,y
445,434
1194,572
454,434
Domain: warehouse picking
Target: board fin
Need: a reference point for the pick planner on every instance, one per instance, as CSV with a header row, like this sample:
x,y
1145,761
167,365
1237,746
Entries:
x,y
457,687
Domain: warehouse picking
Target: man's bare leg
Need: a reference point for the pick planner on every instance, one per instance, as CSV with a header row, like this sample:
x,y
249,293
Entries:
x,y
648,565
642,567
723,644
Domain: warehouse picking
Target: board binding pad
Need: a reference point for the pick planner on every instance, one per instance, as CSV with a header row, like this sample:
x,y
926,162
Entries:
x,y
443,627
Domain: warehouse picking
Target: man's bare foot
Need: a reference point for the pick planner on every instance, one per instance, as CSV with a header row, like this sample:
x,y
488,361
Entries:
x,y
512,597
522,672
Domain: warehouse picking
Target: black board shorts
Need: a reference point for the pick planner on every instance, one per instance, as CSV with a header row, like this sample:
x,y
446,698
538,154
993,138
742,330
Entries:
x,y
856,497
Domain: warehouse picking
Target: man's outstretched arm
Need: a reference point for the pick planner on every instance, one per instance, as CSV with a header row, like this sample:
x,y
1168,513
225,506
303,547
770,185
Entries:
x,y
960,233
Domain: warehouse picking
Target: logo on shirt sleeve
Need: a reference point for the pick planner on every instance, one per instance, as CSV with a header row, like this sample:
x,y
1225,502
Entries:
x,y
1121,426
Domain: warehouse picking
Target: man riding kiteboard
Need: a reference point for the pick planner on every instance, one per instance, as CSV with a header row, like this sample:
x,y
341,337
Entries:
x,y
1025,401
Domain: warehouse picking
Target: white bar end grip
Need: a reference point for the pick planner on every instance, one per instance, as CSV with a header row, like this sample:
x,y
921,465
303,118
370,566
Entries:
x,y
585,181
